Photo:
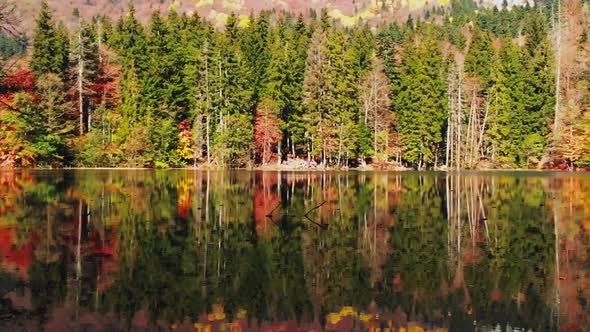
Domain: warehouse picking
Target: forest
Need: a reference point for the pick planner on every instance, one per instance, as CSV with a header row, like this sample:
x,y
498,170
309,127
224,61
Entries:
x,y
459,86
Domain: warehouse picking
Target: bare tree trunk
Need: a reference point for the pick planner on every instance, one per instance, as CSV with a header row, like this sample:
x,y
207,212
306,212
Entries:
x,y
220,95
558,70
340,145
482,131
208,103
309,152
208,143
81,81
375,135
99,39
386,153
451,121
473,120
324,153
448,143
467,138
459,103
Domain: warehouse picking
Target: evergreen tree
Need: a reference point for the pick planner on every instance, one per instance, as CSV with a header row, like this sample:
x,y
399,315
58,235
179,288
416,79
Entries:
x,y
343,97
316,95
128,39
50,46
21,134
478,61
538,91
85,59
421,103
505,76
255,45
236,103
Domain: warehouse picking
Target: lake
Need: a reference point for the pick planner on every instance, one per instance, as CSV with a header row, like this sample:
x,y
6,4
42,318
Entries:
x,y
185,250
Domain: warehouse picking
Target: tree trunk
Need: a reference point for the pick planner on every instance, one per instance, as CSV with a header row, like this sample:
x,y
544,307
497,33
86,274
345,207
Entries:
x,y
81,81
458,123
558,71
208,143
324,154
375,135
482,131
340,146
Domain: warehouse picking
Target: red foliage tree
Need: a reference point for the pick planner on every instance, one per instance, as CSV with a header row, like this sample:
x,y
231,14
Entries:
x,y
21,81
185,141
105,88
267,131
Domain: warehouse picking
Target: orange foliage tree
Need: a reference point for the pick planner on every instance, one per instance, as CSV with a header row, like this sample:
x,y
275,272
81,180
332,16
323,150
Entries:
x,y
267,133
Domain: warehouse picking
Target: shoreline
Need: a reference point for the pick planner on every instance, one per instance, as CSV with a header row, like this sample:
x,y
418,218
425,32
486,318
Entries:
x,y
302,170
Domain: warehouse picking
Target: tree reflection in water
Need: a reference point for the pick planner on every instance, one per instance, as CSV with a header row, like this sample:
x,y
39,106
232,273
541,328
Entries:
x,y
294,250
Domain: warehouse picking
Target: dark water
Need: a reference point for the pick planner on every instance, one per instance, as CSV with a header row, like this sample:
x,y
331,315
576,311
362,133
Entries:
x,y
247,251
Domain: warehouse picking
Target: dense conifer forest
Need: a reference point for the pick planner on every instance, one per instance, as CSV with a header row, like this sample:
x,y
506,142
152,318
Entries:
x,y
459,86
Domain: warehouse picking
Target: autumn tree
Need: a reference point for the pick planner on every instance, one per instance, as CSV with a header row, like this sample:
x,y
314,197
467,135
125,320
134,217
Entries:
x,y
21,134
376,107
266,129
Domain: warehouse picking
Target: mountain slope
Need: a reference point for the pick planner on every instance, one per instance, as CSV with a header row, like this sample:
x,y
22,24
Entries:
x,y
348,12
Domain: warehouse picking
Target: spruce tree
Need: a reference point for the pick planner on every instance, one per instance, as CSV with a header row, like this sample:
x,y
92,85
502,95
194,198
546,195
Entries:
x,y
421,105
343,84
539,90
316,96
478,60
50,46
86,63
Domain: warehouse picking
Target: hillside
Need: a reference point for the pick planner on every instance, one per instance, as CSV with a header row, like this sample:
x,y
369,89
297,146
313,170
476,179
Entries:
x,y
347,12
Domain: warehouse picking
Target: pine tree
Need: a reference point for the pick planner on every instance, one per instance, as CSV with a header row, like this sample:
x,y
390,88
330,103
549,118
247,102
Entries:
x,y
21,133
478,60
255,45
294,117
158,67
539,91
56,111
198,73
236,99
421,105
504,76
316,94
128,39
283,84
343,87
85,59
50,46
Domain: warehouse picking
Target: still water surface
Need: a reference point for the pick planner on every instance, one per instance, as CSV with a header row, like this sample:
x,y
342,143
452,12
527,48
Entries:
x,y
116,250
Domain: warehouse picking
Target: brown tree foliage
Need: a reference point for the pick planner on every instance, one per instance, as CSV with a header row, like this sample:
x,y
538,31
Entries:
x,y
267,133
376,106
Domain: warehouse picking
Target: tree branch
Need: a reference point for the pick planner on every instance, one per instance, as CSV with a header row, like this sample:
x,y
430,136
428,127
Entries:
x,y
315,208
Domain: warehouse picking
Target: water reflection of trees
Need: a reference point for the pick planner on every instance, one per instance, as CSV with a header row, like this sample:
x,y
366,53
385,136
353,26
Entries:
x,y
444,250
